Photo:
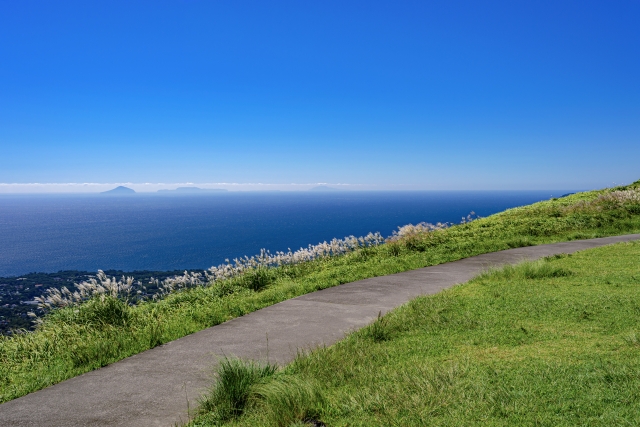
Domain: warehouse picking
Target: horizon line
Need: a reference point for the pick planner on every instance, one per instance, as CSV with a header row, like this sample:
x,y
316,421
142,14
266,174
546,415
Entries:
x,y
171,183
89,188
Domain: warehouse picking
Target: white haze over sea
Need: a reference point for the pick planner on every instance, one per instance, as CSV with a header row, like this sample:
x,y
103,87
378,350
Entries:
x,y
154,187
149,187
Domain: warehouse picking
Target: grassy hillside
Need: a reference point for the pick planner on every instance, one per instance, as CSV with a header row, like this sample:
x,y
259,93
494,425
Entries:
x,y
77,339
549,343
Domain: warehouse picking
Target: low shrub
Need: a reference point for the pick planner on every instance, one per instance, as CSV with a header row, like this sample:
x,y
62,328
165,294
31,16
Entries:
x,y
104,310
394,249
519,242
287,400
378,331
235,379
258,278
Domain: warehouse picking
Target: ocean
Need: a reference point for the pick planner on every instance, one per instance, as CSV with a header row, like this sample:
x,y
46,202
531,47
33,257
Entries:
x,y
49,233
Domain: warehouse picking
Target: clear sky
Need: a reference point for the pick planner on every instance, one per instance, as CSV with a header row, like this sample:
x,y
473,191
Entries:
x,y
393,95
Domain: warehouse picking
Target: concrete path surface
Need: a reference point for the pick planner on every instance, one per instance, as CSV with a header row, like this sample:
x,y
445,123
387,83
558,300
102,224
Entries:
x,y
156,387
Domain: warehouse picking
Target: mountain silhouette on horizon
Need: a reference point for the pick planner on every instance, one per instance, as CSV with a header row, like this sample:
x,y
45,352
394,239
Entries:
x,y
119,191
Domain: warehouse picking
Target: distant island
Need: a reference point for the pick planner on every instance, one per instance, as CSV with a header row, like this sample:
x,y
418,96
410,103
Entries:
x,y
324,188
192,190
119,191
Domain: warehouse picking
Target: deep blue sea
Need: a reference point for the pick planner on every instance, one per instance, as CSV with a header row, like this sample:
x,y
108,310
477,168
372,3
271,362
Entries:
x,y
47,233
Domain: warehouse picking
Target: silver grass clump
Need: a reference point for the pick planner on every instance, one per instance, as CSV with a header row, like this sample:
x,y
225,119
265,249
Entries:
x,y
102,285
620,197
612,200
422,227
426,227
469,218
188,279
265,259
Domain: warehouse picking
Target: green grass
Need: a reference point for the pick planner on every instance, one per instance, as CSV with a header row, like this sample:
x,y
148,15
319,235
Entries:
x,y
235,380
75,340
549,343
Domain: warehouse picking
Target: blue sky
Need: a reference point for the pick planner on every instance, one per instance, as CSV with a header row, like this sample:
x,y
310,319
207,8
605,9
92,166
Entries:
x,y
388,95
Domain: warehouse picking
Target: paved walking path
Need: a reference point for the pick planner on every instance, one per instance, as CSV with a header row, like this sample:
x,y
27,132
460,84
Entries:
x,y
156,387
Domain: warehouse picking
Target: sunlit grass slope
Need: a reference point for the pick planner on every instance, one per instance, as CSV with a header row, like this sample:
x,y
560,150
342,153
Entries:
x,y
77,339
549,343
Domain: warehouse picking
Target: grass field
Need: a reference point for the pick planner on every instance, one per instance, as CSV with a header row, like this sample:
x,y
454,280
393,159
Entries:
x,y
549,343
77,339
